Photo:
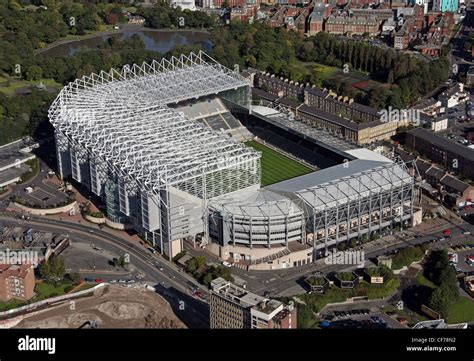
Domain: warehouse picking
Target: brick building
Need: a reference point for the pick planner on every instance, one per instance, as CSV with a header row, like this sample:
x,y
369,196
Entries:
x,y
232,3
450,155
448,189
346,25
316,18
330,102
325,109
361,133
16,282
279,86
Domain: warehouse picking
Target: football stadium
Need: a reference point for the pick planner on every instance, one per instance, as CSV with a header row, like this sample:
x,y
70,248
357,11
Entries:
x,y
179,151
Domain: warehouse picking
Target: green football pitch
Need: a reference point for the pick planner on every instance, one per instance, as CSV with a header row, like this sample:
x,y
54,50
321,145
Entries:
x,y
277,167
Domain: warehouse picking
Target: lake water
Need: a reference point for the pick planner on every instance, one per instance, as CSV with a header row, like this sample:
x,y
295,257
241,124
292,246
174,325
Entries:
x,y
161,41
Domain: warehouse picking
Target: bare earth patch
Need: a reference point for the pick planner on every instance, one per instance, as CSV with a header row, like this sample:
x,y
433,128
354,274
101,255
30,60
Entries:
x,y
114,307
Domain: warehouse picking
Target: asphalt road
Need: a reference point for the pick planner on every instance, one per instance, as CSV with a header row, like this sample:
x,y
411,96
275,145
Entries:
x,y
292,284
170,283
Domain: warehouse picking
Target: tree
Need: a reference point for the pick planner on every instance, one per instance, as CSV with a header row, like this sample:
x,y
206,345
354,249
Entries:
x,y
120,262
440,302
200,261
34,72
438,270
112,19
437,262
207,279
191,265
53,269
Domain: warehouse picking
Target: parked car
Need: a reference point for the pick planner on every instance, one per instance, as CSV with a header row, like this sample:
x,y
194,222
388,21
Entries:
x,y
470,260
99,280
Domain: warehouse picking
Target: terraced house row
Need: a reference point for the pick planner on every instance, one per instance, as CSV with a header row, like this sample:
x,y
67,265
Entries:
x,y
339,115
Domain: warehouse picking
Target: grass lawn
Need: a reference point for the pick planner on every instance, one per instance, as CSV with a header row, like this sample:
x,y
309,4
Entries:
x,y
335,294
461,311
307,68
5,306
407,256
45,290
16,84
412,317
373,291
277,167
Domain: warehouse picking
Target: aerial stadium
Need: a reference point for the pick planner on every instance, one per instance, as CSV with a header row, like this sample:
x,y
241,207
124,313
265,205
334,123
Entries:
x,y
179,151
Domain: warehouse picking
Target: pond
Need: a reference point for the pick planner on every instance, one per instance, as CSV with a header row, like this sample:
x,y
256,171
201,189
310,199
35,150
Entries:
x,y
156,40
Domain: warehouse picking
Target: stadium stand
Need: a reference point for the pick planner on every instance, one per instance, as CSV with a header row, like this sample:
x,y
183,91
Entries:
x,y
216,122
211,112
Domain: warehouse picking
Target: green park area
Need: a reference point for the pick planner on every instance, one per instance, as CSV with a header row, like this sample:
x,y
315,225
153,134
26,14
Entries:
x,y
407,256
9,85
461,311
437,287
314,303
317,72
53,282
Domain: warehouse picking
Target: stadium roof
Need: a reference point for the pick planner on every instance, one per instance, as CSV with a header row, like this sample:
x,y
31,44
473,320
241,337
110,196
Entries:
x,y
123,118
259,203
364,153
344,182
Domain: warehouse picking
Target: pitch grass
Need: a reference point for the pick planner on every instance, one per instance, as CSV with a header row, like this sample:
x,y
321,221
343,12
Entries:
x,y
275,166
461,311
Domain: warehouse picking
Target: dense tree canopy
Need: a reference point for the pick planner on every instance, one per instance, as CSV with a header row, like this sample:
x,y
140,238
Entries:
x,y
273,49
163,16
25,29
442,274
53,269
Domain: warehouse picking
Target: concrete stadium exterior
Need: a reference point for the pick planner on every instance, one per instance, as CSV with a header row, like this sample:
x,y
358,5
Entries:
x,y
173,179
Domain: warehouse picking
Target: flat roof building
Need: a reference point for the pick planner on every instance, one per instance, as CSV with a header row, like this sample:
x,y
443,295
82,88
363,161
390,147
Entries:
x,y
451,155
234,307
16,282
